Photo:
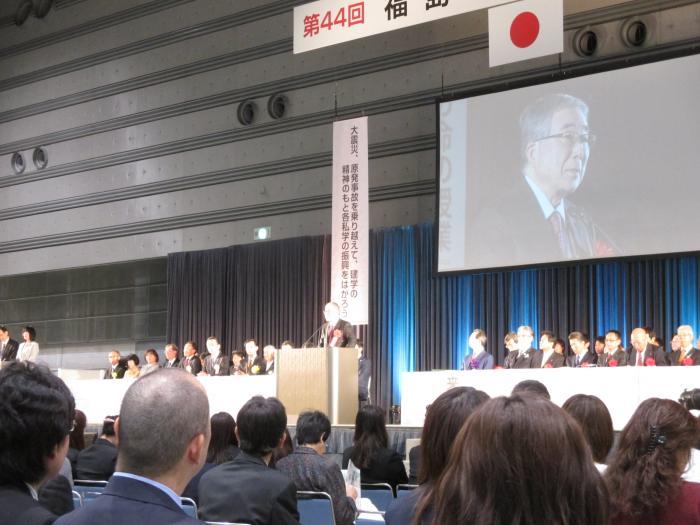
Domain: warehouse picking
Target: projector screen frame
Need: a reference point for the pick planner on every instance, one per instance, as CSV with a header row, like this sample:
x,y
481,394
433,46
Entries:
x,y
542,76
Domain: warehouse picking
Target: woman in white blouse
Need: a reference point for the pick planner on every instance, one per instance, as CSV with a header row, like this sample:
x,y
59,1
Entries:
x,y
29,349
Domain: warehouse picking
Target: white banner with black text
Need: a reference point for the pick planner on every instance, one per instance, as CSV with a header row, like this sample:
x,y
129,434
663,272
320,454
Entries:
x,y
350,259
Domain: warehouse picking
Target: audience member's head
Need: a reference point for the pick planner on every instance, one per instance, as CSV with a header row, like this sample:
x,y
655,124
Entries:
x,y
159,435
36,417
444,418
502,469
261,425
370,435
223,436
285,448
313,427
108,431
77,435
531,387
595,421
645,470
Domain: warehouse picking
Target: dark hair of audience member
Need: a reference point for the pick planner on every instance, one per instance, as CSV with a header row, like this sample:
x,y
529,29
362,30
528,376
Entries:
x,y
37,412
445,417
595,421
155,426
151,351
370,435
223,436
108,426
77,435
312,427
502,470
643,473
286,448
31,331
531,387
261,423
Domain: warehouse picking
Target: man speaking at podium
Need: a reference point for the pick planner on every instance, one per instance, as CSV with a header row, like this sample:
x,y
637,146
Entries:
x,y
335,331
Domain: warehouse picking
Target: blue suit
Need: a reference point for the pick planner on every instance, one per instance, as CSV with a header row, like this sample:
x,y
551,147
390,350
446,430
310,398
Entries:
x,y
483,361
128,501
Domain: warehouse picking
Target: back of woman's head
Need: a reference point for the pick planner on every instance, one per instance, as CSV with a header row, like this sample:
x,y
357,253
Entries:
x,y
370,435
596,423
223,435
445,417
654,448
77,435
519,459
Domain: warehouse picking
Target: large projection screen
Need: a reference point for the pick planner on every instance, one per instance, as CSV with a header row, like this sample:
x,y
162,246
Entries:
x,y
597,166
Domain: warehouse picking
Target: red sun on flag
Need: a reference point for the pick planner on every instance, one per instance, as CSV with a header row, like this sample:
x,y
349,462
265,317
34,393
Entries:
x,y
524,29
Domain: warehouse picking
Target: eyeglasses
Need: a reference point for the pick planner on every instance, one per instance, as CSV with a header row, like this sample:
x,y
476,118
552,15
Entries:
x,y
572,139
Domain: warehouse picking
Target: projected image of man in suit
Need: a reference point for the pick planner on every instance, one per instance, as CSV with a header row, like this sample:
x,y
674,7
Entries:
x,y
534,219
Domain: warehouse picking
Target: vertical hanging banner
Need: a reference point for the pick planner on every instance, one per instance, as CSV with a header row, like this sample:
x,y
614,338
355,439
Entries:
x,y
327,22
350,259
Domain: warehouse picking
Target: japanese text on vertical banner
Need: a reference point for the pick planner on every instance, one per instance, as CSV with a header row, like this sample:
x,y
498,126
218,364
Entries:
x,y
327,22
349,275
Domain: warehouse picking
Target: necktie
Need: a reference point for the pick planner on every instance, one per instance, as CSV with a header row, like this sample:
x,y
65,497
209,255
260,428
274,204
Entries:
x,y
558,226
640,362
681,358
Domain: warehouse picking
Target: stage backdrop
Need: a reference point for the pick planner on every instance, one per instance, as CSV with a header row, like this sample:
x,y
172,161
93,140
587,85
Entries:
x,y
276,290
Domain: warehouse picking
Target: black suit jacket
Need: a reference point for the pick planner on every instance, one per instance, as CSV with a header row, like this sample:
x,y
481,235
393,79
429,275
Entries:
x,y
364,373
97,462
590,358
119,370
619,356
176,363
10,351
128,501
246,490
17,507
385,467
651,352
555,359
194,362
531,235
673,358
347,337
223,362
514,360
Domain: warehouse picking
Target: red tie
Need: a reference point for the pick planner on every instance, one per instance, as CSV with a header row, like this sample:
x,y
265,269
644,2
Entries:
x,y
558,226
639,359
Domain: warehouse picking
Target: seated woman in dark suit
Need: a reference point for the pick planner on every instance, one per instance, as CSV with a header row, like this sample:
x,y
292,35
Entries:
x,y
644,473
445,417
370,452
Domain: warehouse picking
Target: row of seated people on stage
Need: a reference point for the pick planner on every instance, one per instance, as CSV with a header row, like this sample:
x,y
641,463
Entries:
x,y
515,459
608,350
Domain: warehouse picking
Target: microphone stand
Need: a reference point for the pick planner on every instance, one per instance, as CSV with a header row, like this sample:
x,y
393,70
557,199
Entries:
x,y
312,336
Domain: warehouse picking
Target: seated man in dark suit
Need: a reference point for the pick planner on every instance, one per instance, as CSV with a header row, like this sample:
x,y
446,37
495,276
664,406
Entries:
x,y
191,361
687,354
643,353
162,444
216,363
36,417
246,490
310,470
547,357
523,359
117,368
583,355
8,346
97,462
614,354
171,356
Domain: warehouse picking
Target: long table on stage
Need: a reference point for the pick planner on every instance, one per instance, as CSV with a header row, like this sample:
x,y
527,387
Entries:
x,y
621,389
99,398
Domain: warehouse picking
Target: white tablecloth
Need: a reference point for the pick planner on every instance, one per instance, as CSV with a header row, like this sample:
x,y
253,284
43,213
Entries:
x,y
621,389
100,398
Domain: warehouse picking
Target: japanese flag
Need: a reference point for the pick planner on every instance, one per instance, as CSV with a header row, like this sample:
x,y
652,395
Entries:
x,y
525,29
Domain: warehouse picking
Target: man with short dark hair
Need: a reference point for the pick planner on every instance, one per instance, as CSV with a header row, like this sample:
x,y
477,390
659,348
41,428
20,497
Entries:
x,y
546,357
255,363
8,346
97,462
171,356
583,356
162,444
531,387
310,470
246,490
116,368
191,362
36,418
614,354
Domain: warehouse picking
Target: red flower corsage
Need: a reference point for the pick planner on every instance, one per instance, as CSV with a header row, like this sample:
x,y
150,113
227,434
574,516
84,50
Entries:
x,y
337,333
548,365
688,361
612,362
650,362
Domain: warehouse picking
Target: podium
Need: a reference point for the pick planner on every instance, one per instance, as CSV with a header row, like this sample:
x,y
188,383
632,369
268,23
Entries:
x,y
322,379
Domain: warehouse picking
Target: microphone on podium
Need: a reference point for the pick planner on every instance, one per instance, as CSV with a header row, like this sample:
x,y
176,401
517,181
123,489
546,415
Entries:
x,y
313,335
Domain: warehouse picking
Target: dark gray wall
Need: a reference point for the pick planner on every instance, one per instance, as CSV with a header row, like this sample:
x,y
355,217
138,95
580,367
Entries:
x,y
135,102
